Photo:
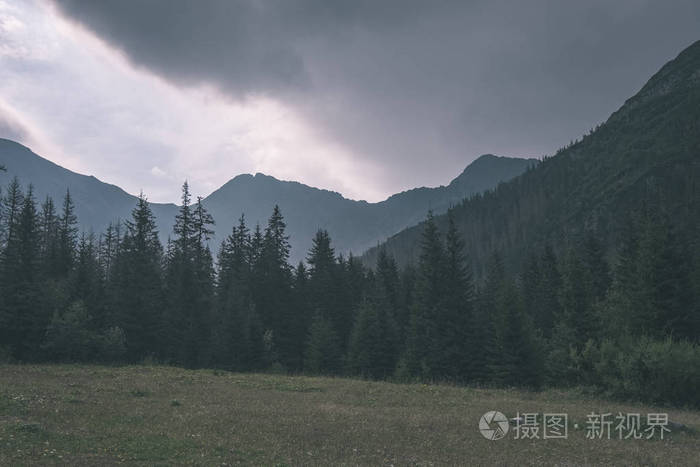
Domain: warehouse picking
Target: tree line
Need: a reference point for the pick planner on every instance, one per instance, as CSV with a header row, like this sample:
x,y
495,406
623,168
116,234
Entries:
x,y
627,325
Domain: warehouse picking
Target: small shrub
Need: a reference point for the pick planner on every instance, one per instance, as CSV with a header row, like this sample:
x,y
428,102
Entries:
x,y
69,336
650,370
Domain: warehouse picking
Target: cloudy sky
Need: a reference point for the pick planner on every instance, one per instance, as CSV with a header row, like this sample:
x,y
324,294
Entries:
x,y
364,97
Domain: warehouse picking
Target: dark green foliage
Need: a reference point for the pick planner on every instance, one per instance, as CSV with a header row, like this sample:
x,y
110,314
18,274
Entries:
x,y
325,286
518,360
652,292
67,236
135,275
487,321
70,337
189,286
123,300
645,369
322,354
458,308
21,317
238,333
423,357
272,289
374,342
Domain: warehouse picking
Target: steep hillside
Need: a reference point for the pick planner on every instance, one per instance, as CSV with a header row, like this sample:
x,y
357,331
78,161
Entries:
x,y
647,154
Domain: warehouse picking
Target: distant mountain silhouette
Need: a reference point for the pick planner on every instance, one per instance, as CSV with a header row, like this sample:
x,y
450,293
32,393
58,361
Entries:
x,y
97,203
354,226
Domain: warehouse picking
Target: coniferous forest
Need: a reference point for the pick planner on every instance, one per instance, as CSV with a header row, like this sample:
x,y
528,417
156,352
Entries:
x,y
628,327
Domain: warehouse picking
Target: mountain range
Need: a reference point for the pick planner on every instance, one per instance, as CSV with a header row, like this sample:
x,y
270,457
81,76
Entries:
x,y
353,225
644,158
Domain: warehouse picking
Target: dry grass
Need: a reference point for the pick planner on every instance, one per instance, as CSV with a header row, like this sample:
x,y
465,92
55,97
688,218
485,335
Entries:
x,y
92,415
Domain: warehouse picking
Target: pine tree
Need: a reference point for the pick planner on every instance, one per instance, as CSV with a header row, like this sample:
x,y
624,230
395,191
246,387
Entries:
x,y
325,274
49,237
373,347
457,312
519,361
189,286
12,206
67,237
423,356
272,288
488,321
651,292
22,319
109,247
136,281
238,335
86,282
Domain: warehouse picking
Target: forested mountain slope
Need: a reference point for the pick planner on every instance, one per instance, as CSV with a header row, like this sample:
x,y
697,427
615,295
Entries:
x,y
645,156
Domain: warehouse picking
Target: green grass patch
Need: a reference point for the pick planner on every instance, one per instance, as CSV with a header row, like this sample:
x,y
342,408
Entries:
x,y
152,415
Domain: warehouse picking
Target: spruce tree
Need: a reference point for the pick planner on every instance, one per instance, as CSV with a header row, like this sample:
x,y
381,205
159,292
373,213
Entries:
x,y
239,341
49,237
487,323
272,288
136,281
373,348
189,286
423,357
22,320
325,274
457,312
67,237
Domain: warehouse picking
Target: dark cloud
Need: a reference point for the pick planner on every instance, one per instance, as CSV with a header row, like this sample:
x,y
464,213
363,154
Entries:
x,y
420,87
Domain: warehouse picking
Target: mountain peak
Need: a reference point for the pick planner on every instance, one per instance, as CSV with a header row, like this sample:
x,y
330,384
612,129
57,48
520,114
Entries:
x,y
681,73
479,175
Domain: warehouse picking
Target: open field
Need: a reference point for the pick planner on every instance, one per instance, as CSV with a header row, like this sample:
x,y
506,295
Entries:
x,y
92,415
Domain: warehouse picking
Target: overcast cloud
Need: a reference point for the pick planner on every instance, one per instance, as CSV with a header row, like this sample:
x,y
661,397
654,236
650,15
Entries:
x,y
363,97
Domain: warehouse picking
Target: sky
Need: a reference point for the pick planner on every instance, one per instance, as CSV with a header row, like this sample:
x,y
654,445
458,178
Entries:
x,y
364,97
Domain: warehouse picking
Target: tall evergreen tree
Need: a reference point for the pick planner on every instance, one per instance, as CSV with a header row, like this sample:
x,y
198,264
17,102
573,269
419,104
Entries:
x,y
49,237
136,279
325,274
487,322
423,350
374,342
189,286
67,236
457,311
272,291
21,318
238,335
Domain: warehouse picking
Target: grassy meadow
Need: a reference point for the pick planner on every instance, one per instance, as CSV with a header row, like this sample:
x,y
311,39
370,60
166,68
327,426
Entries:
x,y
143,415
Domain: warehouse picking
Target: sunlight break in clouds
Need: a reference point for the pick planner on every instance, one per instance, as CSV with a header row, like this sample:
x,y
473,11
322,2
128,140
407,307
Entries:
x,y
80,103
